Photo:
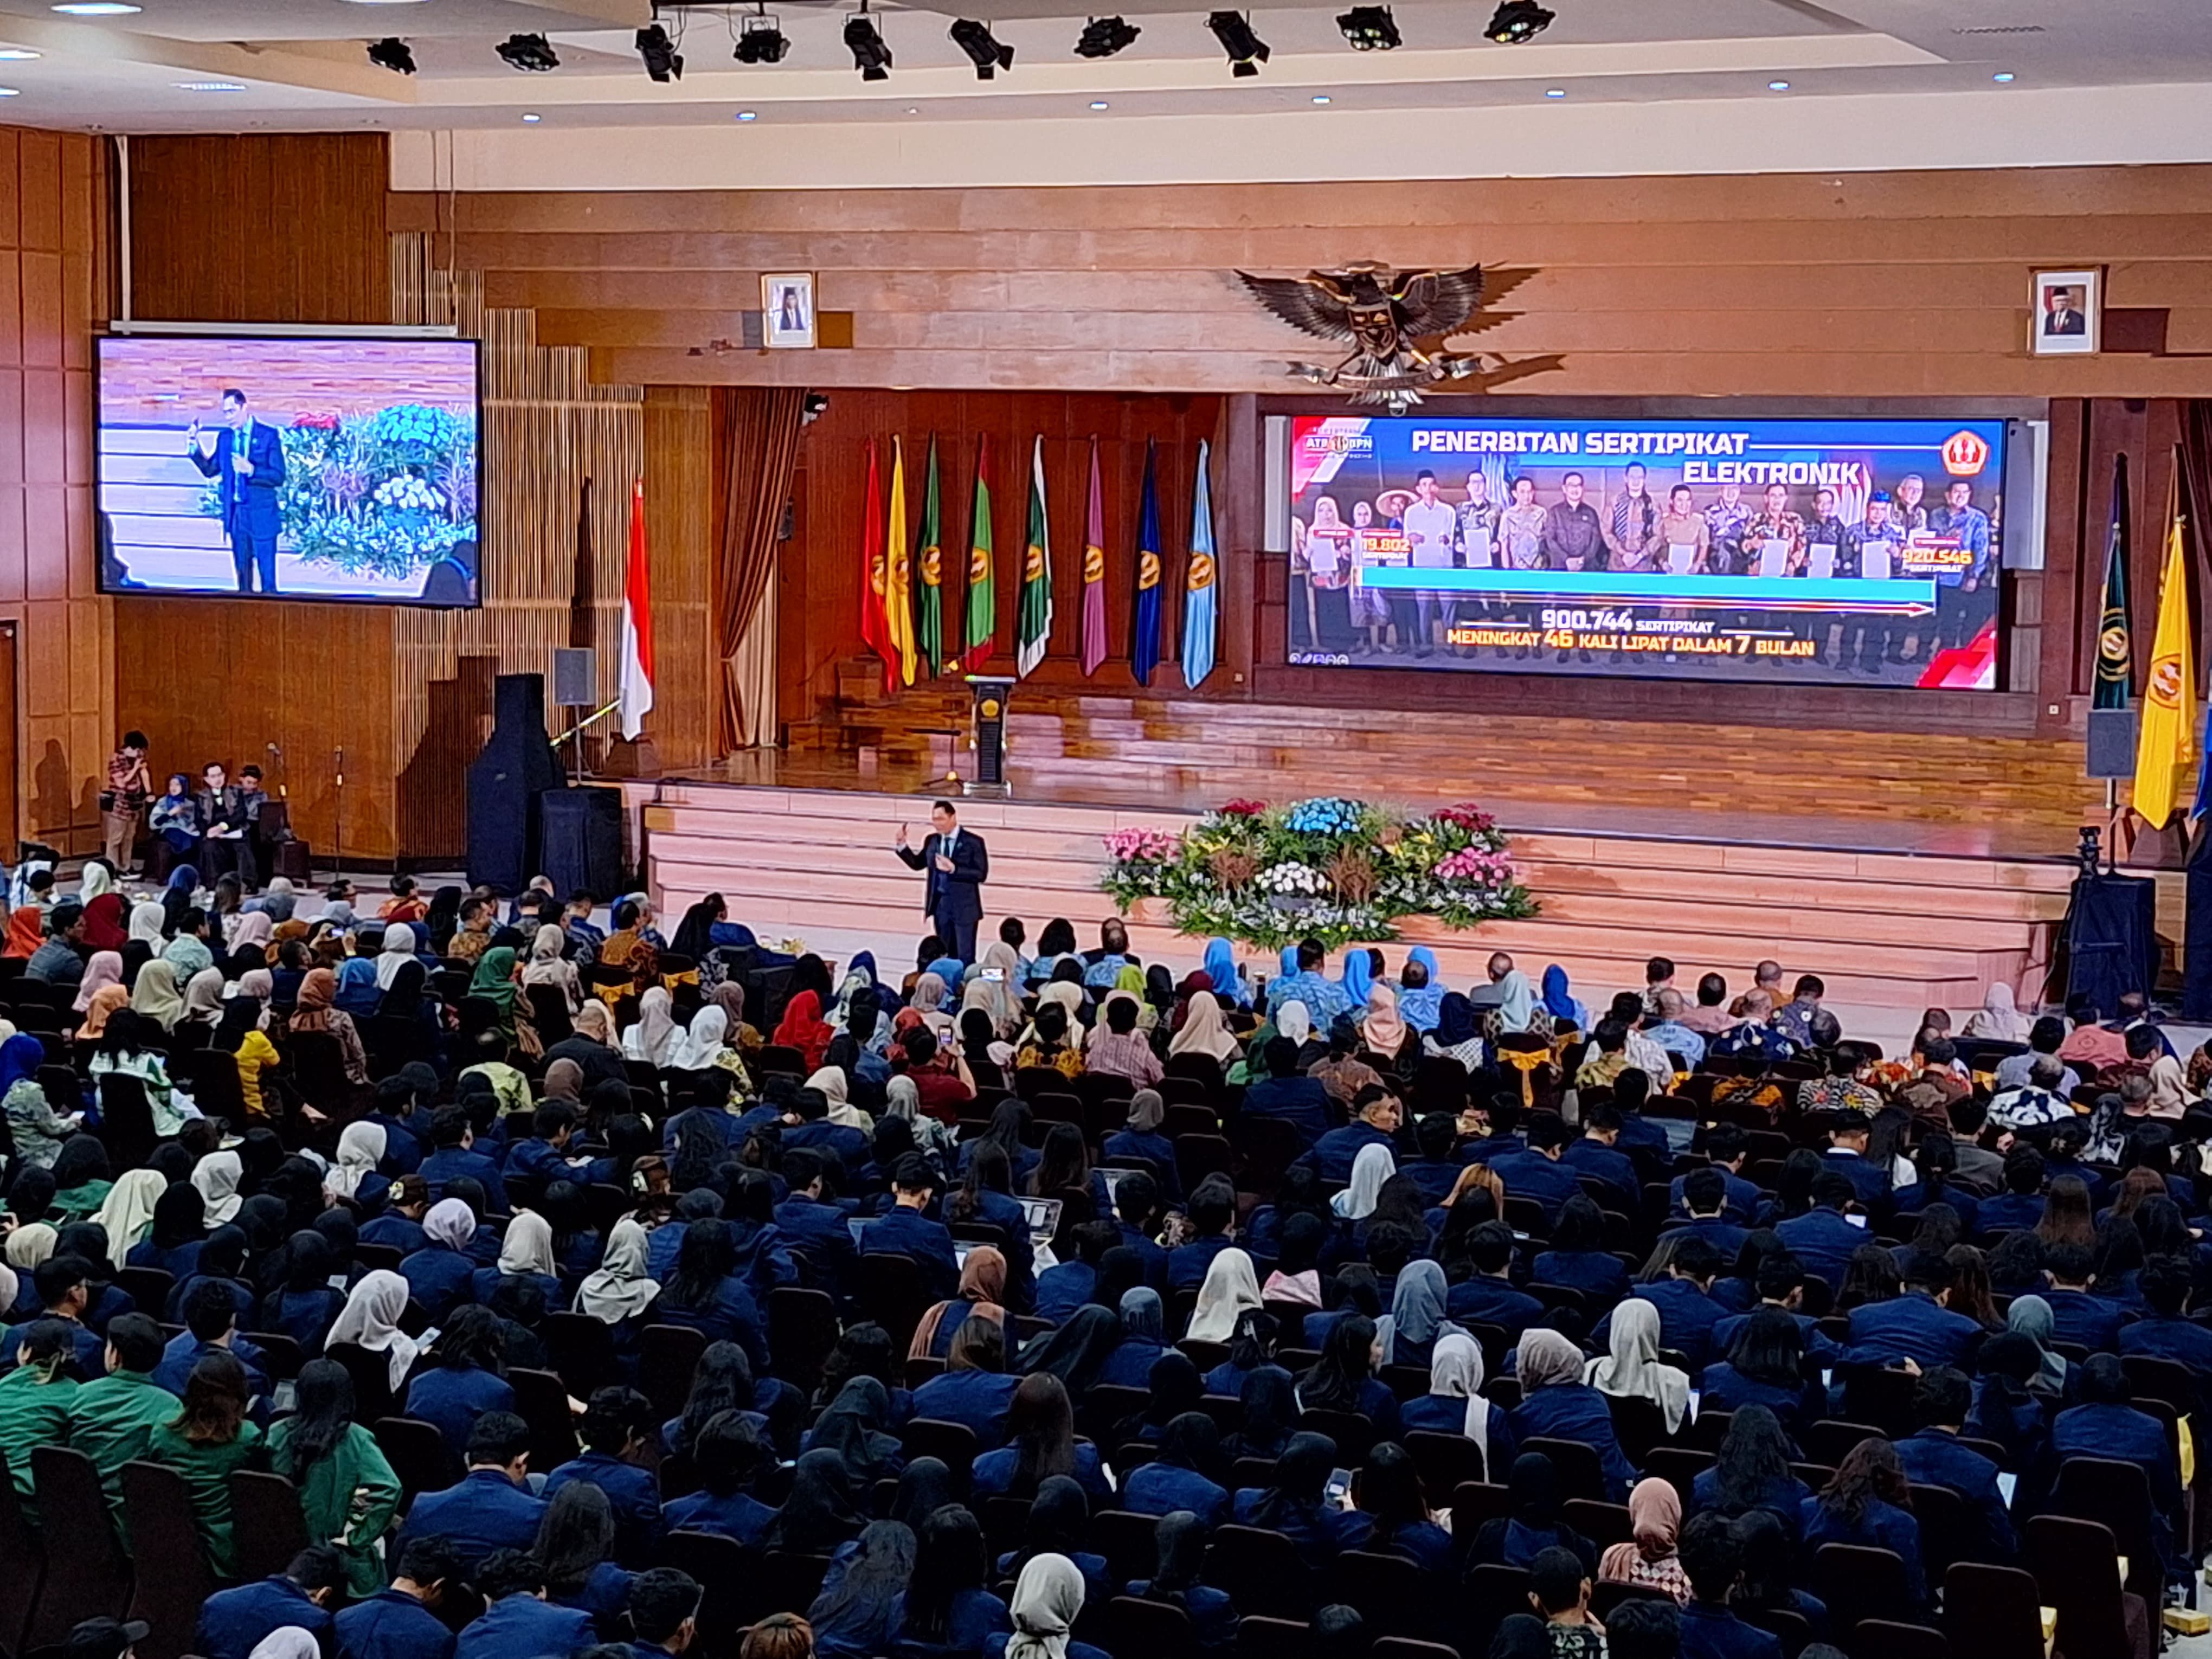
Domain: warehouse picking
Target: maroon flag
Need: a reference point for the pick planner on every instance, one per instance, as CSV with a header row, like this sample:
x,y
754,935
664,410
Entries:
x,y
1094,571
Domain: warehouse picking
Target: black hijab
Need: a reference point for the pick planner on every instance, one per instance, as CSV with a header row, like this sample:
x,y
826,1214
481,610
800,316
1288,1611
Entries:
x,y
1077,1351
695,933
1270,1399
818,1515
1301,1475
853,1428
925,1486
179,1216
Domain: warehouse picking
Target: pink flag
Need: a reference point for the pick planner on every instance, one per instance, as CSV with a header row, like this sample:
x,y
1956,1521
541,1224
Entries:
x,y
1094,572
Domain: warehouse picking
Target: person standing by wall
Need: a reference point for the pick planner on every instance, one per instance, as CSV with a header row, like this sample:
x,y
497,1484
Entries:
x,y
122,804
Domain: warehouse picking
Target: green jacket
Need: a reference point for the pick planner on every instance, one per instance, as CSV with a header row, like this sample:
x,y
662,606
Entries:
x,y
33,1412
111,1420
349,1497
206,1470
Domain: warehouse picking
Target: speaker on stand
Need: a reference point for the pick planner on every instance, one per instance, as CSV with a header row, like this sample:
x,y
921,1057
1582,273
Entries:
x,y
575,693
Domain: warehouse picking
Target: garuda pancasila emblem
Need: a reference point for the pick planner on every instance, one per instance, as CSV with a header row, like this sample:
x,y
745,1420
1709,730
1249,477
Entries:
x,y
1382,312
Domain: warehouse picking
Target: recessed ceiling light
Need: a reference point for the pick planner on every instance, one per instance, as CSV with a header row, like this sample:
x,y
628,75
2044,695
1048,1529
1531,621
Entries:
x,y
1321,98
2001,74
211,86
96,7
533,118
1778,86
748,115
16,54
1555,92
1098,103
10,92
911,110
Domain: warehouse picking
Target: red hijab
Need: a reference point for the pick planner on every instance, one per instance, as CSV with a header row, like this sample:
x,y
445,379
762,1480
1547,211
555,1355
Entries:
x,y
104,923
802,1028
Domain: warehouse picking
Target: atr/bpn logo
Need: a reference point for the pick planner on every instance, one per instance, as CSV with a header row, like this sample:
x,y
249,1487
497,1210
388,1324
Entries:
x,y
1965,454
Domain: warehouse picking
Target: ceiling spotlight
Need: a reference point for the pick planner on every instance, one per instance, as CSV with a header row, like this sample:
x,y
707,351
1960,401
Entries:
x,y
1246,50
988,55
1322,98
1517,21
533,52
1778,86
1555,92
870,55
531,118
1370,28
1100,103
1104,36
760,41
392,53
747,115
662,61
2002,76
11,91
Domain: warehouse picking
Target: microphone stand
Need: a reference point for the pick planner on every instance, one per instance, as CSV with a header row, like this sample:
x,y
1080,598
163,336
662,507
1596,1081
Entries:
x,y
337,813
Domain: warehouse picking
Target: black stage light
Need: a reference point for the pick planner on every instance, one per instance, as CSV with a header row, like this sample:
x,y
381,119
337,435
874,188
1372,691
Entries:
x,y
1370,28
1104,36
870,55
392,53
533,52
662,61
761,41
985,53
1246,50
1517,21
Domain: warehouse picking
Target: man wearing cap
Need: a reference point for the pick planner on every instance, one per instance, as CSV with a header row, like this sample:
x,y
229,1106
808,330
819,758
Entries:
x,y
233,1622
398,1622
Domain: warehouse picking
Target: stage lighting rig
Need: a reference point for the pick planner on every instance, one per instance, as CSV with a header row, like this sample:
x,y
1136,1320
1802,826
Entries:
x,y
531,52
1104,36
1516,21
988,55
1246,50
392,53
1370,28
871,56
761,40
662,61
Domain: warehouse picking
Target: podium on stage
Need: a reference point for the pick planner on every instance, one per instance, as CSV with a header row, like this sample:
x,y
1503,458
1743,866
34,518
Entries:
x,y
993,693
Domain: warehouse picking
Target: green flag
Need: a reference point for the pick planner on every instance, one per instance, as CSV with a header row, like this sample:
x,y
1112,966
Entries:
x,y
982,623
1034,625
929,565
2115,646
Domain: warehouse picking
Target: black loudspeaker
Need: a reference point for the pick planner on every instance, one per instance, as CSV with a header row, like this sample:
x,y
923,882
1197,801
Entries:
x,y
576,678
2112,743
2112,939
583,841
517,766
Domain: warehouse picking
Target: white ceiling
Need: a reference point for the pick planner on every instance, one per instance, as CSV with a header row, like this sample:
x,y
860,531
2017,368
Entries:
x,y
301,63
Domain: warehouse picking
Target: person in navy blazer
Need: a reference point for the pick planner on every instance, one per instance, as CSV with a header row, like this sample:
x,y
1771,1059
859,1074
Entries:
x,y
2107,1424
1916,1326
1821,1239
1727,1146
2167,1333
1702,1202
490,1508
2075,1315
1933,1457
1687,1312
1538,1173
614,1424
1846,1155
958,864
1595,1155
245,458
814,1218
519,1623
1865,1504
1712,1560
903,1230
233,1622
398,1622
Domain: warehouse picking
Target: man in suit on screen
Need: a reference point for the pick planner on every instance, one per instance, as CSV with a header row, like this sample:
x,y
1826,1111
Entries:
x,y
958,864
245,458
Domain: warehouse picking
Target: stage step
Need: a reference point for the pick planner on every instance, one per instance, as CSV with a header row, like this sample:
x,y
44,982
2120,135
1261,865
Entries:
x,y
1884,930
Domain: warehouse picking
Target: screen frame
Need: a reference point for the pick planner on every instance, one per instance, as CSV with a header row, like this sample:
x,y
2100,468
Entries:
x,y
2024,424
293,334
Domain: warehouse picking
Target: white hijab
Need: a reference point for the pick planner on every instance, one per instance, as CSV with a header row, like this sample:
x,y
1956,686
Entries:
x,y
1231,1287
1633,1372
1370,1171
1204,1031
619,1289
361,1149
527,1247
217,1176
654,1037
452,1224
128,1210
1048,1597
371,1320
147,917
98,879
1998,1018
286,1642
1295,1021
398,947
701,1045
1456,1373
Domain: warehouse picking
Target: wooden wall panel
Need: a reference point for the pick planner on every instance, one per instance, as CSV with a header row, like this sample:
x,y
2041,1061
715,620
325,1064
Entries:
x,y
681,520
54,279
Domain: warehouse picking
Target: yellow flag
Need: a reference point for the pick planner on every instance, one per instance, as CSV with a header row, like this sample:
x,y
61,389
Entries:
x,y
898,599
2165,749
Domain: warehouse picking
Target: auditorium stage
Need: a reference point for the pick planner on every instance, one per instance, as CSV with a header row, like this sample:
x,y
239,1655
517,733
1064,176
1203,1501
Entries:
x,y
1895,915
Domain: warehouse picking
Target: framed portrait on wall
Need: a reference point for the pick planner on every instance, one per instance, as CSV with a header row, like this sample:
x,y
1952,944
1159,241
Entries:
x,y
2065,319
787,311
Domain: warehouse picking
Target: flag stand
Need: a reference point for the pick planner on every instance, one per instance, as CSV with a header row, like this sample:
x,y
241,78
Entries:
x,y
993,692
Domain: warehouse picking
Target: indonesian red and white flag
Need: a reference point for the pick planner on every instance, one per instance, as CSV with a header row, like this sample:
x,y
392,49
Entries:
x,y
636,692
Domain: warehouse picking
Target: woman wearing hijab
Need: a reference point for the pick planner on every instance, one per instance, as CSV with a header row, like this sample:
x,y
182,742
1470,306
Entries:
x,y
1408,1335
361,1148
1048,1596
39,1133
442,1274
853,1427
982,1291
1998,1019
149,917
358,995
2031,1316
1532,1523
127,1213
1632,1370
106,922
1560,1002
1140,1137
1454,1403
802,1027
526,1251
318,1012
103,1005
1295,1506
249,945
203,999
155,996
1383,1032
1556,1402
217,1177
818,1515
102,972
1373,1166
1458,1033
705,1043
1144,1339
902,1101
493,982
619,1291
177,897
1516,1011
1655,1514
1075,1351
549,967
654,1038
1230,1288
371,1321
1220,970
1205,1031
398,946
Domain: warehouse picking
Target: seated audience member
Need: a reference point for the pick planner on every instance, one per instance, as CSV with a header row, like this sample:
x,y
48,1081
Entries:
x,y
1932,1456
234,1622
518,1622
1712,1561
1557,1404
492,1508
1867,1503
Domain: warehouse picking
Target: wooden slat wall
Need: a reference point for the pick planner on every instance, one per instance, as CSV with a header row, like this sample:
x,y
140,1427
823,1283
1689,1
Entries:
x,y
1876,285
53,282
681,519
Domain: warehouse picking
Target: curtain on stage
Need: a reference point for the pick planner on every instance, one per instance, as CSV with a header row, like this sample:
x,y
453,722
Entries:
x,y
757,430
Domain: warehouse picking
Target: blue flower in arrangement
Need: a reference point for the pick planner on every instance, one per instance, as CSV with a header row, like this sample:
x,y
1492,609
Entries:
x,y
1325,815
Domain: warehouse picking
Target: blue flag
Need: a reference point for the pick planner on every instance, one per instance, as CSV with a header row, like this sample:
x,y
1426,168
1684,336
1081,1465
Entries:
x,y
1144,615
1201,606
2204,769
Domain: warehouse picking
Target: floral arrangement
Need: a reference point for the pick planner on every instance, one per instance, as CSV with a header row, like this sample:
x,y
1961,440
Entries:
x,y
1329,868
383,493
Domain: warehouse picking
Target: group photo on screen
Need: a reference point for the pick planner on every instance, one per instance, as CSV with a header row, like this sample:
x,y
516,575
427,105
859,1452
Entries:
x,y
1842,551
315,469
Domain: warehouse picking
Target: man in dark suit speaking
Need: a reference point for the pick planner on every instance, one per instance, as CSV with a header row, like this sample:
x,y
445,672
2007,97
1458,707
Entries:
x,y
245,458
958,864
